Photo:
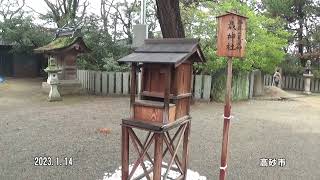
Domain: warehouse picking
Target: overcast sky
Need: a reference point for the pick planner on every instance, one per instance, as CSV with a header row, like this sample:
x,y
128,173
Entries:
x,y
40,5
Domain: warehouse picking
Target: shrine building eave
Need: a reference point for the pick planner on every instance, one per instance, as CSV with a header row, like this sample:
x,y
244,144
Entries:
x,y
64,44
166,51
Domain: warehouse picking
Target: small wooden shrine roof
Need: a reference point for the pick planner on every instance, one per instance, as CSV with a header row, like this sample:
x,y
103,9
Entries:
x,y
170,51
66,39
63,43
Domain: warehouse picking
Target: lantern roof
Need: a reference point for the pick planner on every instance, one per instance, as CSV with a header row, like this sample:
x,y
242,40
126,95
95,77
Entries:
x,y
233,13
167,51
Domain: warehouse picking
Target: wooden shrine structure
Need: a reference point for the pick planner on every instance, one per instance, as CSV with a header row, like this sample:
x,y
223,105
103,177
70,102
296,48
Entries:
x,y
66,46
163,105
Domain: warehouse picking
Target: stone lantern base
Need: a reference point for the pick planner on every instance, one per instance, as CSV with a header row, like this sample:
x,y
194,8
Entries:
x,y
66,87
307,83
54,94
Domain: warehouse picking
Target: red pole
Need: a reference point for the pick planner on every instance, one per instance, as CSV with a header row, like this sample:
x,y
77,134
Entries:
x,y
226,124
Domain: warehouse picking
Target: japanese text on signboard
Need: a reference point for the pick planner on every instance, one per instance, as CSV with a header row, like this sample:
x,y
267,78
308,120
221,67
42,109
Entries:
x,y
231,35
234,34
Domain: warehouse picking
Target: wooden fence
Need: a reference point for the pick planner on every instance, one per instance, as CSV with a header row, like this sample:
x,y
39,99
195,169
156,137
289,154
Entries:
x,y
204,87
294,83
104,83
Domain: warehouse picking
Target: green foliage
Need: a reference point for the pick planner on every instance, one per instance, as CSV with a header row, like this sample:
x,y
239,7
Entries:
x,y
316,73
266,37
104,51
302,18
59,42
23,34
291,66
239,86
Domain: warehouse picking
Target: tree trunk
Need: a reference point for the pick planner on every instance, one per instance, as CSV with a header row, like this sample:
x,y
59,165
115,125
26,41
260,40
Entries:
x,y
168,13
300,32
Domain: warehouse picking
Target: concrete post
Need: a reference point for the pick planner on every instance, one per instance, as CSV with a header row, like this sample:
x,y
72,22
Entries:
x,y
257,85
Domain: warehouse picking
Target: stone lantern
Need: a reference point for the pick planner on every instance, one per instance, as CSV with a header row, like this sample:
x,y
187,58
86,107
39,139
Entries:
x,y
53,80
65,48
307,78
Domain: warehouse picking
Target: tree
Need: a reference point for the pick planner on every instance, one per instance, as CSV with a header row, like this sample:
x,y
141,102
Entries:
x,y
126,13
301,17
23,34
11,9
105,12
266,36
151,18
168,13
18,29
64,12
104,52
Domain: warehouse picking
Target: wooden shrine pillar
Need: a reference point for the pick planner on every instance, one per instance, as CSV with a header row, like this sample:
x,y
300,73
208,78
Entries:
x,y
125,153
133,87
167,94
158,149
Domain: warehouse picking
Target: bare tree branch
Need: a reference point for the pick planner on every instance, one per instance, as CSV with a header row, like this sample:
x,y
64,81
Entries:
x,y
11,8
66,11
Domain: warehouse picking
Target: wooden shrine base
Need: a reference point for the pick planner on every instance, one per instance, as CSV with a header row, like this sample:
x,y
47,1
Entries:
x,y
157,134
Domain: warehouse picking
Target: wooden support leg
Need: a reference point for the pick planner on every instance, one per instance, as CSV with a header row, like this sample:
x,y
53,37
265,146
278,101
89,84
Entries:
x,y
158,148
125,153
185,153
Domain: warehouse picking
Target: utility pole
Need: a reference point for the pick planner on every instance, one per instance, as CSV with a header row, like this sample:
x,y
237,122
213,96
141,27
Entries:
x,y
143,12
141,29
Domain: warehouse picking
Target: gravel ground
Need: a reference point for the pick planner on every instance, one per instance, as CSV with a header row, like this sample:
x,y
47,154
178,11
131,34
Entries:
x,y
31,127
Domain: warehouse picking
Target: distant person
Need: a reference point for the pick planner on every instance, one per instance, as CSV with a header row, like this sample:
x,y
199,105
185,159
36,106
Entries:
x,y
276,78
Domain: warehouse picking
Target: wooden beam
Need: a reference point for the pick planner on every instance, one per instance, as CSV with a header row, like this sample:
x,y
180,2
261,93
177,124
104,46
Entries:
x,y
190,88
134,142
175,152
171,140
185,152
158,147
133,87
143,146
167,95
171,150
137,162
125,153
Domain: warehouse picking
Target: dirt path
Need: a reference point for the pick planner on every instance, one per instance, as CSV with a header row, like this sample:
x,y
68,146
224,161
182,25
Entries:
x,y
30,127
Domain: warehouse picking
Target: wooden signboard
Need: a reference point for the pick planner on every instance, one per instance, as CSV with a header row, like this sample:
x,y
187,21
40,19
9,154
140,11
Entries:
x,y
231,35
230,43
